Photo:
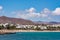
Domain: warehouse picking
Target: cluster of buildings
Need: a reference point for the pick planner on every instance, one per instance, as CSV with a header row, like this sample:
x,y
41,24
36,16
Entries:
x,y
38,27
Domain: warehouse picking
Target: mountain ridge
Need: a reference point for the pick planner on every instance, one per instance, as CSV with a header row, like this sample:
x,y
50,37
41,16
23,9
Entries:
x,y
4,19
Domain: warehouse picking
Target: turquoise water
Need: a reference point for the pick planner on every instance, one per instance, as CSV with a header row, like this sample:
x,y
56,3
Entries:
x,y
31,36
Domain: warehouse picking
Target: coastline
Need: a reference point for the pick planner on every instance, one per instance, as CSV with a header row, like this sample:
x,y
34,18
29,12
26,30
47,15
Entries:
x,y
13,31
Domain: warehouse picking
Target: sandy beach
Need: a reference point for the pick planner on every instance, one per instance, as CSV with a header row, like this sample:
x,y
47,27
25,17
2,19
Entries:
x,y
12,31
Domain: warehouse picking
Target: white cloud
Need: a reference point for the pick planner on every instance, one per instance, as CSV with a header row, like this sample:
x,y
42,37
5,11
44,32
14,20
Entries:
x,y
46,10
49,18
44,15
1,7
31,13
56,11
22,16
31,10
34,15
1,11
28,15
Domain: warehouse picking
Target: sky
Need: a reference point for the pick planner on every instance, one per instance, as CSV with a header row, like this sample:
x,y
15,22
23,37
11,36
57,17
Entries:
x,y
35,10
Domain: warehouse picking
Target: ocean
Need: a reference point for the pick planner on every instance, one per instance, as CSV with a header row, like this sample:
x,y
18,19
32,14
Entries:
x,y
31,36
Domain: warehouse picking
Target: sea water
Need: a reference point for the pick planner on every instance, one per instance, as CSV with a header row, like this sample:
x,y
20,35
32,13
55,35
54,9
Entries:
x,y
31,36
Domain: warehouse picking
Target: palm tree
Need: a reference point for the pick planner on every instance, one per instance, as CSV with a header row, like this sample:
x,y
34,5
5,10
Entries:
x,y
10,27
37,28
1,27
